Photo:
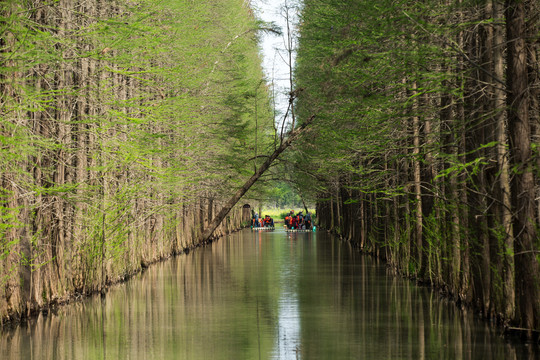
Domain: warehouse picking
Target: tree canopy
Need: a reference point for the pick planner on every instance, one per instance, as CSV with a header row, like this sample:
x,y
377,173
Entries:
x,y
123,125
426,146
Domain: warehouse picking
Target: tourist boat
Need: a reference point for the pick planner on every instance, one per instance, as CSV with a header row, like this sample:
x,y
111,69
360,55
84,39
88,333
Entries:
x,y
300,230
262,228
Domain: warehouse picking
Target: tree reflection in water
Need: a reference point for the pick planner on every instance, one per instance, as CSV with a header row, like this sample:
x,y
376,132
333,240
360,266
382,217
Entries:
x,y
266,295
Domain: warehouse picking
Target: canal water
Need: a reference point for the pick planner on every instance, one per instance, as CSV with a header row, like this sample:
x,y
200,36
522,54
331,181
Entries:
x,y
262,295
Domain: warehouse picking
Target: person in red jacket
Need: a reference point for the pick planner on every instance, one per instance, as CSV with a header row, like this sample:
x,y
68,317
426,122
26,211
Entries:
x,y
294,222
268,221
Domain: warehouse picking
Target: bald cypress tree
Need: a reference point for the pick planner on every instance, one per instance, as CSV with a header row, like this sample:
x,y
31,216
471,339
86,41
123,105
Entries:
x,y
420,109
113,116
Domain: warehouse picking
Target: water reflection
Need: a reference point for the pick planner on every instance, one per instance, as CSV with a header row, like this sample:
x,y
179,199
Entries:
x,y
288,337
267,295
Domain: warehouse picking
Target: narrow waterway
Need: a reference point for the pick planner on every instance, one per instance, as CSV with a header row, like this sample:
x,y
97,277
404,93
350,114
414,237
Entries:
x,y
262,295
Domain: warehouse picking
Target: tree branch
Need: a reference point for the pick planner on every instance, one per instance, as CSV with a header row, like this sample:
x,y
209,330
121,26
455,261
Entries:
x,y
293,135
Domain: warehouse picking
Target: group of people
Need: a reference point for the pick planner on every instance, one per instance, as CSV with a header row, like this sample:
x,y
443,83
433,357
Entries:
x,y
298,221
292,221
257,221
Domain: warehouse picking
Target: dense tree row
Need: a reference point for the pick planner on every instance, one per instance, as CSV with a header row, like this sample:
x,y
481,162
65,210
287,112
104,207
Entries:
x,y
426,146
123,125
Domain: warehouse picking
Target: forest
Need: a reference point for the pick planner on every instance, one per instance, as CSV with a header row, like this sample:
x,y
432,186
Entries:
x,y
426,148
129,128
124,125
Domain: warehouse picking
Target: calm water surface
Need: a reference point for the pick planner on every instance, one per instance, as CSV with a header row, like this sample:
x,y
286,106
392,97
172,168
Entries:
x,y
262,295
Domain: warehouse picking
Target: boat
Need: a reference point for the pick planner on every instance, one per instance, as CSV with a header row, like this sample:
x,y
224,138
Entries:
x,y
300,230
262,228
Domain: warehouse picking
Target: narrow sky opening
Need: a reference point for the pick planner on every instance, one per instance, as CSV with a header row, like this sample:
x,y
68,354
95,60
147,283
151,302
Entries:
x,y
274,48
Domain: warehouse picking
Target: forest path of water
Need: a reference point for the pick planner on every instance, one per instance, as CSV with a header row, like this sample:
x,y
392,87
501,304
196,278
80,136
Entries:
x,y
263,295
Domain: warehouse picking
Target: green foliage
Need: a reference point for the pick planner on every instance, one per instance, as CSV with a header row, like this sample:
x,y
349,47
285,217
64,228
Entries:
x,y
356,60
283,196
410,136
116,115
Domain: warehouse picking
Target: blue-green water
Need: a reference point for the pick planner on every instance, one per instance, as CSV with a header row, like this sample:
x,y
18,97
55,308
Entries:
x,y
263,295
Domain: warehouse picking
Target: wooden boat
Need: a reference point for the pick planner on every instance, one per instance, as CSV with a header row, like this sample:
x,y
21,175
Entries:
x,y
263,228
300,230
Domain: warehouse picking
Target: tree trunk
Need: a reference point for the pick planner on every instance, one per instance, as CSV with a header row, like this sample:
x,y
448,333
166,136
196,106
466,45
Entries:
x,y
503,165
523,186
460,261
417,182
428,195
533,48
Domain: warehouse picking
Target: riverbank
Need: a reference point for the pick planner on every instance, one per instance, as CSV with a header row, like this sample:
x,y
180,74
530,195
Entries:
x,y
378,250
128,260
264,295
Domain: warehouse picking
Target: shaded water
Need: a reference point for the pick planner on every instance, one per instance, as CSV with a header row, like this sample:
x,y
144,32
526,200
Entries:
x,y
262,295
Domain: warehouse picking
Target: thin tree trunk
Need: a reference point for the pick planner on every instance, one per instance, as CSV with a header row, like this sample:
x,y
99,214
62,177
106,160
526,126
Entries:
x,y
428,174
417,182
460,261
332,216
503,165
485,133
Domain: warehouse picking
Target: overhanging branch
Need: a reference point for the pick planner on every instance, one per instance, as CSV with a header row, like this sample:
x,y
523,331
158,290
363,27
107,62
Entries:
x,y
293,135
